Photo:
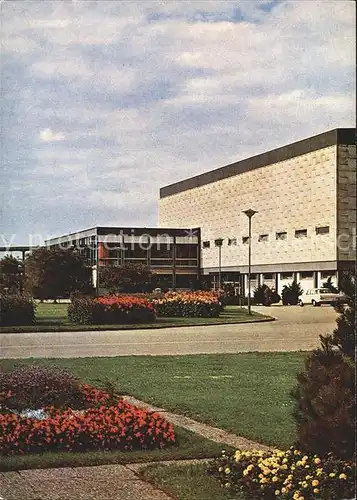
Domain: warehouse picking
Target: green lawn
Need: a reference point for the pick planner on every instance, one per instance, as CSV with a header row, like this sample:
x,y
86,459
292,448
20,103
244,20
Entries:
x,y
186,482
189,445
53,317
248,393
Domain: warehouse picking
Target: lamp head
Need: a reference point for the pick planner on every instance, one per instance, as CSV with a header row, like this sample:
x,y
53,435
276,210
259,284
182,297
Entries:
x,y
250,212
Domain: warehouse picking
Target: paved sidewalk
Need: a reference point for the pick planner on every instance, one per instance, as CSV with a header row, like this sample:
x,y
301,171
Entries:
x,y
104,482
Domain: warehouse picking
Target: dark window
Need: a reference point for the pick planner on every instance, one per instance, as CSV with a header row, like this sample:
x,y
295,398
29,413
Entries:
x,y
286,276
206,244
282,235
306,274
186,251
322,230
263,237
328,274
245,239
232,241
268,276
218,242
300,233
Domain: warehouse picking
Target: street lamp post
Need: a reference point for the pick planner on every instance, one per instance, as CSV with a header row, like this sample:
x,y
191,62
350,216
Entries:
x,y
249,213
219,243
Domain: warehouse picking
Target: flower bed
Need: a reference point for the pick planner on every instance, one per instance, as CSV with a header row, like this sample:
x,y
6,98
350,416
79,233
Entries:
x,y
111,309
189,304
285,475
119,427
48,409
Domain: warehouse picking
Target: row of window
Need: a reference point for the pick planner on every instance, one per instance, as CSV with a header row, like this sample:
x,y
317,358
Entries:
x,y
290,275
299,233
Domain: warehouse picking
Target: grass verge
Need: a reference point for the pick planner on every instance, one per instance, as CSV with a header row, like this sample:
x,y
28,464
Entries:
x,y
53,318
189,445
247,394
186,482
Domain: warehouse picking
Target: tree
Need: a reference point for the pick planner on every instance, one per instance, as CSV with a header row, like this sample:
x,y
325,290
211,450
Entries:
x,y
54,272
11,275
129,277
325,394
264,295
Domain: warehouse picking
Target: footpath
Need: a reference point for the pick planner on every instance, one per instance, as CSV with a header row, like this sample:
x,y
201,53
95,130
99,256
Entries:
x,y
108,482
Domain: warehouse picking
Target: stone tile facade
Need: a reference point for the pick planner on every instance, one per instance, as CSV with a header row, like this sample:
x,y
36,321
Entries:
x,y
306,214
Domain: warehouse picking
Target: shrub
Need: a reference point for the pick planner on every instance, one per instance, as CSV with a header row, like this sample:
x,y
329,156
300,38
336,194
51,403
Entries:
x,y
84,310
264,295
16,310
290,293
119,427
325,394
325,404
284,474
36,386
189,304
111,309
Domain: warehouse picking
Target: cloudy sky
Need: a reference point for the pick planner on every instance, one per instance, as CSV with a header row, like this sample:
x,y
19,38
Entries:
x,y
105,102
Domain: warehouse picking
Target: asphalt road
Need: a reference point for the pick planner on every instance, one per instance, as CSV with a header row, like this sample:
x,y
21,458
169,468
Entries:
x,y
294,329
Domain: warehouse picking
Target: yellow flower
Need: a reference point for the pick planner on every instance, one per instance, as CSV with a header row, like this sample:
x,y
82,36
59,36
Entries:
x,y
277,492
227,485
308,477
305,458
264,480
274,479
250,467
342,476
227,470
316,490
283,490
332,474
304,484
317,461
220,469
285,460
315,482
245,472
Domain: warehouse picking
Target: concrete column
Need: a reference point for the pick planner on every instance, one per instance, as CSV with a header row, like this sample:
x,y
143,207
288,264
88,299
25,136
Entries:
x,y
318,278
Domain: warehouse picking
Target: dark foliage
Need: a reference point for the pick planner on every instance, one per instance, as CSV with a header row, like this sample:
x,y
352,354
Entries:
x,y
127,278
11,275
16,310
329,285
54,272
290,293
325,394
36,386
264,295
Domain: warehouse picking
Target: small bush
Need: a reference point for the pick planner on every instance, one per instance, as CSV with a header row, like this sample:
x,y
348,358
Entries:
x,y
84,310
189,304
111,309
16,310
264,295
36,386
285,475
120,427
290,293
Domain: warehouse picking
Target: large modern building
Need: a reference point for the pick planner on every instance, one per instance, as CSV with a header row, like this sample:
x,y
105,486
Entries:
x,y
305,226
173,254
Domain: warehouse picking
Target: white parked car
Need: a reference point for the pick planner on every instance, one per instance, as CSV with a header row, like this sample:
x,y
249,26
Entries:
x,y
318,296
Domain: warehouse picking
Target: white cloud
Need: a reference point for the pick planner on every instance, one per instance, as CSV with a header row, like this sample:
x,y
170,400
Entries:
x,y
147,93
47,135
